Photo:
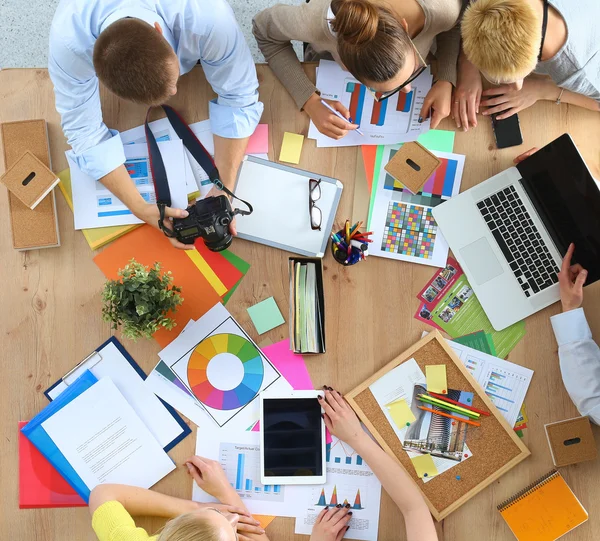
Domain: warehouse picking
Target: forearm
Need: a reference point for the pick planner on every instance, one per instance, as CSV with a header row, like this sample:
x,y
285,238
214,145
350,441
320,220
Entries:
x,y
401,488
551,91
139,501
448,48
120,184
229,154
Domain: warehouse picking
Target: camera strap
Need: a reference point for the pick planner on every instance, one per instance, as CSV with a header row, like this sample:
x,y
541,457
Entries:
x,y
197,150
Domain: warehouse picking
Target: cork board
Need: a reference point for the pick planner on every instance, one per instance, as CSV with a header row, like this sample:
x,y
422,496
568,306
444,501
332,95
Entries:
x,y
36,228
495,446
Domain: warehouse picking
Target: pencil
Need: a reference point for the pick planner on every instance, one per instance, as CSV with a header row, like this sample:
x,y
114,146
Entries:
x,y
448,407
449,416
445,398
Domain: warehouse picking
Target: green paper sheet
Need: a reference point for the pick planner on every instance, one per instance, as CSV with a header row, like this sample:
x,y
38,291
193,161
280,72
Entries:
x,y
239,264
265,315
481,341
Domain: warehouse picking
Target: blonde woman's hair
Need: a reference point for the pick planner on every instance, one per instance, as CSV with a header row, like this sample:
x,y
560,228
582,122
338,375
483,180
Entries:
x,y
190,527
502,38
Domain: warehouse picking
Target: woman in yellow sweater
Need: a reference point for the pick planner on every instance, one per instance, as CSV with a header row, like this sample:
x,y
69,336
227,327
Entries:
x,y
112,506
381,42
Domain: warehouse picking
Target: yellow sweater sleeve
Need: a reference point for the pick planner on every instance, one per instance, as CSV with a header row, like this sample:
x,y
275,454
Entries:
x,y
112,522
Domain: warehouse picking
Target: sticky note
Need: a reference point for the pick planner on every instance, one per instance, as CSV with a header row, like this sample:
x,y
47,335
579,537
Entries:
x,y
436,378
401,413
266,315
424,466
291,147
259,140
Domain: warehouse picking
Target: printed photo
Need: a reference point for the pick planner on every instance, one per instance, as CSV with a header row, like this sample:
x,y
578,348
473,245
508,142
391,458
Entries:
x,y
439,282
448,273
447,314
430,294
465,293
455,303
424,313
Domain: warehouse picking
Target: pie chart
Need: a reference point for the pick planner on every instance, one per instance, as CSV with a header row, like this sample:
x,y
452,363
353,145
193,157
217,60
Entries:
x,y
252,366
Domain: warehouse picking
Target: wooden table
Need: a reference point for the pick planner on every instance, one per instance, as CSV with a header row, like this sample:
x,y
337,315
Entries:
x,y
51,315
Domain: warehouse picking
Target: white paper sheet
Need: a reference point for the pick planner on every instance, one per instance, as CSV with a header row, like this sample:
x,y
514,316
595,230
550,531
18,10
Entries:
x,y
105,441
352,480
228,387
95,206
402,223
112,364
385,123
238,451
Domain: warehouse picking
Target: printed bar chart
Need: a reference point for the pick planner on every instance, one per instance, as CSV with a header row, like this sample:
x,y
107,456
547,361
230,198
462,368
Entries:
x,y
357,100
334,499
404,101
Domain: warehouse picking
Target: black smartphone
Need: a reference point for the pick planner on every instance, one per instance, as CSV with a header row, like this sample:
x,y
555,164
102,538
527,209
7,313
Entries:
x,y
507,131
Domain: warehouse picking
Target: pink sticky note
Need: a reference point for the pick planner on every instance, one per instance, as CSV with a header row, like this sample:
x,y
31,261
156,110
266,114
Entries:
x,y
259,140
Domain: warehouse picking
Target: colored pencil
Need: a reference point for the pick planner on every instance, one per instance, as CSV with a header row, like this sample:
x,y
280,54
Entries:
x,y
448,407
444,402
442,397
449,416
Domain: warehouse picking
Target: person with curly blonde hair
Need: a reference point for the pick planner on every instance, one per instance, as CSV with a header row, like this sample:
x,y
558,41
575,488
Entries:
x,y
533,50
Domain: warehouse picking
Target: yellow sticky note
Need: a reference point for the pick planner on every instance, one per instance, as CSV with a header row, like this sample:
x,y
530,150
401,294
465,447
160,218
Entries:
x,y
436,378
291,147
424,466
401,413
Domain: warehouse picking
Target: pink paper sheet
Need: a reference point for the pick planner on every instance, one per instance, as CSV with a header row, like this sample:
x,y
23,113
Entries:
x,y
259,140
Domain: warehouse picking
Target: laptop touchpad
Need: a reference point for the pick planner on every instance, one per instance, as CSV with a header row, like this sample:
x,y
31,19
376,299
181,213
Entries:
x,y
481,261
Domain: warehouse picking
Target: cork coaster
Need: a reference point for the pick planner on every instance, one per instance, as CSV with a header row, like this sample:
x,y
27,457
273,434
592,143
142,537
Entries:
x,y
571,441
412,165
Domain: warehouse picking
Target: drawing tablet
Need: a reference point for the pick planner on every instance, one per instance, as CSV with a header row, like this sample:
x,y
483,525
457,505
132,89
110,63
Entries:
x,y
292,435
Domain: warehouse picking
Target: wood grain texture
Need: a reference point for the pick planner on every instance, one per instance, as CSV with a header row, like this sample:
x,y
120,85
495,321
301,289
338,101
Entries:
x,y
51,314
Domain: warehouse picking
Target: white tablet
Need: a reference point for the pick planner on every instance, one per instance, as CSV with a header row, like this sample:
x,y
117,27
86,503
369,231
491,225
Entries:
x,y
292,435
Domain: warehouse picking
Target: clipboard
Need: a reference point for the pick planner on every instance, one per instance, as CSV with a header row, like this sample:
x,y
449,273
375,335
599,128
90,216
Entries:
x,y
150,415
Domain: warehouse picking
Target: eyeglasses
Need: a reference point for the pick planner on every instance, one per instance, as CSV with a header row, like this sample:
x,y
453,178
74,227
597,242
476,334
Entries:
x,y
314,194
421,65
234,528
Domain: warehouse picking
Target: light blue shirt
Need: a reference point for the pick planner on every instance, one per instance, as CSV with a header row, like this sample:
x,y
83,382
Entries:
x,y
579,358
198,30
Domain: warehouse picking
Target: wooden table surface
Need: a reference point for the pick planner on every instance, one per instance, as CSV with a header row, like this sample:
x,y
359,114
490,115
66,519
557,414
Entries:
x,y
51,309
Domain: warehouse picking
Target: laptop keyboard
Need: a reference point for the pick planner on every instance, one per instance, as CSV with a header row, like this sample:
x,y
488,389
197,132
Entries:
x,y
520,241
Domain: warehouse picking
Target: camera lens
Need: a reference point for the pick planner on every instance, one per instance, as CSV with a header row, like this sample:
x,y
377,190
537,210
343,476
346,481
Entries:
x,y
225,220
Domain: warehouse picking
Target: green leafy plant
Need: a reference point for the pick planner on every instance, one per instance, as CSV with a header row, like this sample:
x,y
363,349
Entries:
x,y
140,300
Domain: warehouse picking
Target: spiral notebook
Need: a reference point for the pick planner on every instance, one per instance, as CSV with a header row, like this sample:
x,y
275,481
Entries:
x,y
544,511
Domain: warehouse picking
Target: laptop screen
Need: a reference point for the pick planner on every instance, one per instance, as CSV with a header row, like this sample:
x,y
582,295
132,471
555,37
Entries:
x,y
567,199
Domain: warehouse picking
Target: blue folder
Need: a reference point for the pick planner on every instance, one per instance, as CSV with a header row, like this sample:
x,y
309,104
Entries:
x,y
35,433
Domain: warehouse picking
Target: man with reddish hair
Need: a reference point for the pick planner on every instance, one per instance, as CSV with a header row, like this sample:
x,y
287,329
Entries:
x,y
138,49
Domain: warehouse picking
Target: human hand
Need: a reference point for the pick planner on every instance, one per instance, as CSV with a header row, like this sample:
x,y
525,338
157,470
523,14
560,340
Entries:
x,y
467,95
437,103
331,524
210,477
325,121
512,101
339,417
521,157
215,192
571,279
226,508
246,523
150,214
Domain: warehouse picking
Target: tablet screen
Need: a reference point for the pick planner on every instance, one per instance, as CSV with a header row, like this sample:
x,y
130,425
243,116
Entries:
x,y
292,443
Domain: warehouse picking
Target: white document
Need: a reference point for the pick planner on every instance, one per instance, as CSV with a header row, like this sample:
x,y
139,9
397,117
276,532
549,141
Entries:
x,y
402,222
388,122
112,364
238,452
219,364
398,384
349,480
105,441
95,206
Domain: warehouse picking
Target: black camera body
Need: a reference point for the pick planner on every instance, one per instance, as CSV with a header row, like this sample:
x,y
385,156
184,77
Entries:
x,y
208,218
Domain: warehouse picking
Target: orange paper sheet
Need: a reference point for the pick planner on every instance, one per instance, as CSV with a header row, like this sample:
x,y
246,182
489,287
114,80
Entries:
x,y
148,245
264,520
369,153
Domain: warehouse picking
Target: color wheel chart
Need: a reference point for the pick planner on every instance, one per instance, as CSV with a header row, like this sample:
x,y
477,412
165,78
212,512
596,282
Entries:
x,y
333,500
409,230
438,188
252,365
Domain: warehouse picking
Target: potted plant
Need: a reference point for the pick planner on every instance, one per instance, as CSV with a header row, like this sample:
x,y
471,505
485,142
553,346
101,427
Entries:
x,y
140,300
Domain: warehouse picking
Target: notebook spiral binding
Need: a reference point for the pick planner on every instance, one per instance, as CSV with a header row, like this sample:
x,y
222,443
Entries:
x,y
528,490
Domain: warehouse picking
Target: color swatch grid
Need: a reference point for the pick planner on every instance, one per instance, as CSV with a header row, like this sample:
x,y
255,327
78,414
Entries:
x,y
436,190
409,230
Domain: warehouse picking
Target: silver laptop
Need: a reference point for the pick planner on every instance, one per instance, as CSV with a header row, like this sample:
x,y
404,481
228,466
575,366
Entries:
x,y
510,232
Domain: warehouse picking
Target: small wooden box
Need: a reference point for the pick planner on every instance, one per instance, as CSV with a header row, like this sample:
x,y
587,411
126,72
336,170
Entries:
x,y
571,441
412,165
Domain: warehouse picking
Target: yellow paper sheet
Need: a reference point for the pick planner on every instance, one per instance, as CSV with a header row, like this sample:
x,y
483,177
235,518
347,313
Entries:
x,y
291,147
436,378
401,413
424,466
208,273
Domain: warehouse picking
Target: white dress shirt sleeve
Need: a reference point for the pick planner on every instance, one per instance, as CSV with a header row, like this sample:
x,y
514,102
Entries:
x,y
96,149
579,358
230,70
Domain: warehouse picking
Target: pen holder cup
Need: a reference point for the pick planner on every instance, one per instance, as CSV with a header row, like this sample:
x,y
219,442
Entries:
x,y
341,256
